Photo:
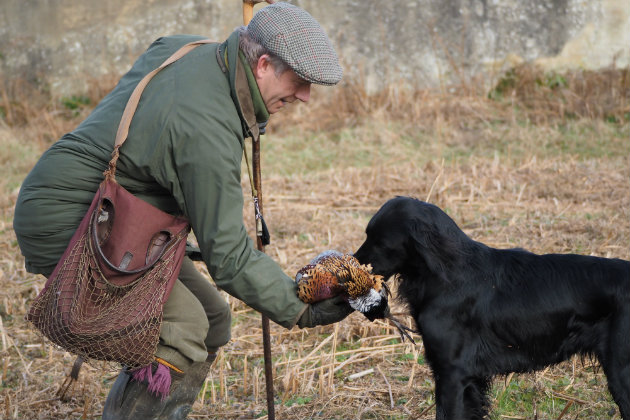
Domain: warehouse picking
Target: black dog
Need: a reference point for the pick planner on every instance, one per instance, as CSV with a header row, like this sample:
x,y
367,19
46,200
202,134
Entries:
x,y
483,311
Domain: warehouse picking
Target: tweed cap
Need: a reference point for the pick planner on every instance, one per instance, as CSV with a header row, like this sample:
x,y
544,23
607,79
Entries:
x,y
297,38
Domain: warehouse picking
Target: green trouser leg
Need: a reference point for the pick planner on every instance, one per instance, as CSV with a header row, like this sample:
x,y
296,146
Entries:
x,y
196,321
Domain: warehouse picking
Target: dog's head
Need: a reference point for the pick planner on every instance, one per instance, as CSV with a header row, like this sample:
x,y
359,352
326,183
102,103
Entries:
x,y
410,237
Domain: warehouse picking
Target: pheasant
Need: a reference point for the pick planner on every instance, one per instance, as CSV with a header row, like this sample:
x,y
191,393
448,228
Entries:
x,y
332,273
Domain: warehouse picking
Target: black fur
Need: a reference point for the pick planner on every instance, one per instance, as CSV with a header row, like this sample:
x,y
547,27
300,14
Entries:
x,y
483,311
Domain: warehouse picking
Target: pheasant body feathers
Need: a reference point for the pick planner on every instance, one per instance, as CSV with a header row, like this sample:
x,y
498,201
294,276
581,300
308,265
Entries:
x,y
315,285
332,273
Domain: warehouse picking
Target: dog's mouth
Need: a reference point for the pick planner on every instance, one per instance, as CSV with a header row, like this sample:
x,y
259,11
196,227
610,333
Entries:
x,y
387,271
387,274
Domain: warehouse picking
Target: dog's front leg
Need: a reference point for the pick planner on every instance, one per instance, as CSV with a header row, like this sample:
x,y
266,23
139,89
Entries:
x,y
460,395
449,395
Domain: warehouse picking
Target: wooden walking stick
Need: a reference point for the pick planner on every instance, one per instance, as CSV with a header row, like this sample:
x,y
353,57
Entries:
x,y
248,13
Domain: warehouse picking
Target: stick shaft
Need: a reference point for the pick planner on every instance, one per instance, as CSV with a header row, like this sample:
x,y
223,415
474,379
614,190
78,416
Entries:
x,y
265,321
248,13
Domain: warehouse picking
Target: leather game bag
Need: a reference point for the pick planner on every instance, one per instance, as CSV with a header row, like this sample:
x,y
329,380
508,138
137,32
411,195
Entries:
x,y
105,297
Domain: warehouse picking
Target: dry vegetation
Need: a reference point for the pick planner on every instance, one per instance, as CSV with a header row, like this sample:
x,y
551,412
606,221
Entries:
x,y
540,163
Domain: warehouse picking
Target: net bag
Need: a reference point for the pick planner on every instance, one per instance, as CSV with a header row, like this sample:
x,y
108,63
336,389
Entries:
x,y
104,299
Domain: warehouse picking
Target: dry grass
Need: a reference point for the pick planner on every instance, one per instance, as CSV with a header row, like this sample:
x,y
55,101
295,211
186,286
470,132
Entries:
x,y
543,168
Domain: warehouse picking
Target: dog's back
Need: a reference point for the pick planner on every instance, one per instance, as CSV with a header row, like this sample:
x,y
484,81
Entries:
x,y
555,305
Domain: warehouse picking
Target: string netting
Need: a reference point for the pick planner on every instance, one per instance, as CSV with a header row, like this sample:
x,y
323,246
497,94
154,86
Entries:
x,y
83,313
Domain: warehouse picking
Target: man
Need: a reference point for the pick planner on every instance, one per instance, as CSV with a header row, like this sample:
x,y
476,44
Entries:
x,y
183,155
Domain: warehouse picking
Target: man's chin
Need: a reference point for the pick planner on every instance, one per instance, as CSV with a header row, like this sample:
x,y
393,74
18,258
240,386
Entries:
x,y
275,108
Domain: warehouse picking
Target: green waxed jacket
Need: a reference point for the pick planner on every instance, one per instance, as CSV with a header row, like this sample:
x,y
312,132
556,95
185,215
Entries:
x,y
183,155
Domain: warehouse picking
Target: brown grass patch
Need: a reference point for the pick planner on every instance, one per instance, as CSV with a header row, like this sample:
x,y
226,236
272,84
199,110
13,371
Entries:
x,y
526,93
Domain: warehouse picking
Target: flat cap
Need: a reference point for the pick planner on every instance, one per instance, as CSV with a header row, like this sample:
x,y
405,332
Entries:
x,y
297,38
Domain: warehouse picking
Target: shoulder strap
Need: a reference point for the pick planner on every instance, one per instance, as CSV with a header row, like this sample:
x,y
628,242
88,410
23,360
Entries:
x,y
132,103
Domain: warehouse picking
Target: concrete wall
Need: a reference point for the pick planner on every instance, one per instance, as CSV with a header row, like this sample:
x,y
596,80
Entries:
x,y
422,42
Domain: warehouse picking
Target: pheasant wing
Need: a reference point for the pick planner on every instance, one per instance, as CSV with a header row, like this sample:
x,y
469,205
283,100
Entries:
x,y
316,283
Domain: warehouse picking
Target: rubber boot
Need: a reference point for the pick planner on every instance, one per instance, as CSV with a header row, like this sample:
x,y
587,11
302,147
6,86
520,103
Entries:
x,y
183,396
130,400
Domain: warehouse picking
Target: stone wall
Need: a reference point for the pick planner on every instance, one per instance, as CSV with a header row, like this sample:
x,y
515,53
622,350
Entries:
x,y
422,42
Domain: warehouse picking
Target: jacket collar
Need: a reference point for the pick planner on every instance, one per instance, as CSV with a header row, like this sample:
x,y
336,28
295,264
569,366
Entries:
x,y
243,86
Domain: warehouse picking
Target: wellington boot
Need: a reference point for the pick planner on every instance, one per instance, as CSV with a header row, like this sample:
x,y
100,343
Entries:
x,y
130,400
183,395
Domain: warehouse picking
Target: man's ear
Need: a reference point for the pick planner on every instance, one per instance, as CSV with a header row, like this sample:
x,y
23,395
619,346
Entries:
x,y
263,65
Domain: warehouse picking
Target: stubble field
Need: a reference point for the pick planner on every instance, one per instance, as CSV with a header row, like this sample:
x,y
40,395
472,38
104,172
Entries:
x,y
541,163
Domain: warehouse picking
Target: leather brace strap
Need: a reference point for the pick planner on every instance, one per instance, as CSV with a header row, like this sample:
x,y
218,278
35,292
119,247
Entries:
x,y
134,99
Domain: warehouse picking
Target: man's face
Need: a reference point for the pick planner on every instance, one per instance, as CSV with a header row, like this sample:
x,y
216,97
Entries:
x,y
277,91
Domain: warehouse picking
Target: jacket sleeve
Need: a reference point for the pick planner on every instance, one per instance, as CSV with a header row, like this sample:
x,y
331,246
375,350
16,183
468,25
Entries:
x,y
208,168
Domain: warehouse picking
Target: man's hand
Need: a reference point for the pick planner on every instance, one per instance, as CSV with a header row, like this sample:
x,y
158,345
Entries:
x,y
325,312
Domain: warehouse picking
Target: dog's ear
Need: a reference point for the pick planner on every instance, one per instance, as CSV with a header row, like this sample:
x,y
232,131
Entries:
x,y
438,251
